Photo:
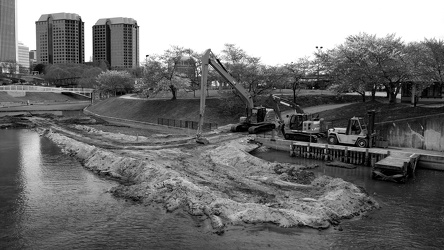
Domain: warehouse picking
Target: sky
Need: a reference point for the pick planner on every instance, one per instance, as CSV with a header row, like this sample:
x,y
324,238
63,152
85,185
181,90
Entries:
x,y
277,31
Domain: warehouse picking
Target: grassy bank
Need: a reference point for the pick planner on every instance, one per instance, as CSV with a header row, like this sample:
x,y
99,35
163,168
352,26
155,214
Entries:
x,y
224,111
151,110
216,109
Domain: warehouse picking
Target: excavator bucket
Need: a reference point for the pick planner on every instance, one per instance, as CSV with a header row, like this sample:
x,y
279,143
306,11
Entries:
x,y
202,140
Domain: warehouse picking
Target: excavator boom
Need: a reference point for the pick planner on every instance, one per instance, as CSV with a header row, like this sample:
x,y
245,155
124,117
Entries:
x,y
209,58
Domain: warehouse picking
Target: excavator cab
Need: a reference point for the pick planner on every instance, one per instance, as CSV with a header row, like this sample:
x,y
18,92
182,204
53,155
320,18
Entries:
x,y
258,114
296,121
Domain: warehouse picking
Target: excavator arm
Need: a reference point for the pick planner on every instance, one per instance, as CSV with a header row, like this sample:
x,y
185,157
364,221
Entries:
x,y
209,58
275,100
278,100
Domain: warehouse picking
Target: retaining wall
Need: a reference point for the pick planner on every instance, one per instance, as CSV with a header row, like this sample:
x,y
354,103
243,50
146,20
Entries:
x,y
422,133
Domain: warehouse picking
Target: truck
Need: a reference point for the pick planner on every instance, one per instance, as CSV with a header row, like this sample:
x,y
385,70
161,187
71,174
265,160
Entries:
x,y
357,133
298,126
258,119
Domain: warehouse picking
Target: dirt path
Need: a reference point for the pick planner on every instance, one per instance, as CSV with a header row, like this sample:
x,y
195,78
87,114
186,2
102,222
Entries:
x,y
317,109
320,108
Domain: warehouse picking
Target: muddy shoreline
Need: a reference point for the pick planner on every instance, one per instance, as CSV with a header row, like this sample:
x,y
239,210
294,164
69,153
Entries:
x,y
220,182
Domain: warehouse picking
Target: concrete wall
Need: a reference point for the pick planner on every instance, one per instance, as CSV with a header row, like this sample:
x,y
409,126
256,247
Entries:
x,y
422,133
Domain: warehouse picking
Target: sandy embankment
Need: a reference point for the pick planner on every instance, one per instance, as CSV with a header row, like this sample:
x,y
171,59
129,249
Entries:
x,y
220,181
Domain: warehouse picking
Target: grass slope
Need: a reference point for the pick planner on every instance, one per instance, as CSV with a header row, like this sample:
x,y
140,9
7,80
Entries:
x,y
151,110
188,109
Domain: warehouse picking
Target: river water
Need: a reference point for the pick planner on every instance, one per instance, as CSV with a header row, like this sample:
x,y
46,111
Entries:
x,y
49,201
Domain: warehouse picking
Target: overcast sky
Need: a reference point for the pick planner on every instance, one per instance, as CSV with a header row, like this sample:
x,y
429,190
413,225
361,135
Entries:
x,y
277,31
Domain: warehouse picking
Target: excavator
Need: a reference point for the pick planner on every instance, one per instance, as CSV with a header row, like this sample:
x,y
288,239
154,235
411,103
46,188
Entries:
x,y
298,127
258,119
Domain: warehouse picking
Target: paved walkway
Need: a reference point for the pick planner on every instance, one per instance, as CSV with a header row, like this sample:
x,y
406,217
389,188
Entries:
x,y
47,106
314,109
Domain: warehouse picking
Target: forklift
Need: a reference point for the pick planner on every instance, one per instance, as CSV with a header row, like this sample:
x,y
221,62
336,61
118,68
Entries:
x,y
357,133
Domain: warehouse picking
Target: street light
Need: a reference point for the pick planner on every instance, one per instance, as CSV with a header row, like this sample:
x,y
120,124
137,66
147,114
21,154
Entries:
x,y
319,48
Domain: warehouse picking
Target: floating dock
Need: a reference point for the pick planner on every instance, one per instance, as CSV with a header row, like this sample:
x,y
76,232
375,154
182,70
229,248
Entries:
x,y
395,167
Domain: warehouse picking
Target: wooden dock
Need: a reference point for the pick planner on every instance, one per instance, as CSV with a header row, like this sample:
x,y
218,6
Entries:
x,y
393,165
346,154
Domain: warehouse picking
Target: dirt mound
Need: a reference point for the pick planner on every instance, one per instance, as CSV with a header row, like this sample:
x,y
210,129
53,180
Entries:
x,y
220,181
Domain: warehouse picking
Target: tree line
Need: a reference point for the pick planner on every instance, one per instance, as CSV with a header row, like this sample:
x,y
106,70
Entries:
x,y
362,63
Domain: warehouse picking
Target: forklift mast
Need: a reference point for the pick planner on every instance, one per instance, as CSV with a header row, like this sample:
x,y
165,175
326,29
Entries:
x,y
371,121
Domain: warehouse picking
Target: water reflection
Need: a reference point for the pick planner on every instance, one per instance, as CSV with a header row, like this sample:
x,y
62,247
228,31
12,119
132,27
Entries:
x,y
30,161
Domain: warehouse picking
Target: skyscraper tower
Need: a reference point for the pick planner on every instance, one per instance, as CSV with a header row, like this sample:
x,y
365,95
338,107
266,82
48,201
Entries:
x,y
8,31
60,39
116,40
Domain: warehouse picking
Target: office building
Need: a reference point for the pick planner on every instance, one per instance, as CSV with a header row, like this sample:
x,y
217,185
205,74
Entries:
x,y
8,31
23,57
60,39
116,40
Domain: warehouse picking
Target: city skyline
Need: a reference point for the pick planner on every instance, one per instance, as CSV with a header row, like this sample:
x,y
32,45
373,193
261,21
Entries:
x,y
278,32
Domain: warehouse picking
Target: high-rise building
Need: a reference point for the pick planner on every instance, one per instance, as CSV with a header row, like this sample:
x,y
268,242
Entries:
x,y
8,31
32,59
60,39
23,56
116,40
33,55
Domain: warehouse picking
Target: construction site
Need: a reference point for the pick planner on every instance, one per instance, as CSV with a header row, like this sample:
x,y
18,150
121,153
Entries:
x,y
212,175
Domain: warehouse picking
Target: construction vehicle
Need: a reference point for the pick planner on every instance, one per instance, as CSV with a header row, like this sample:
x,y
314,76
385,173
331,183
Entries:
x,y
298,126
257,119
357,133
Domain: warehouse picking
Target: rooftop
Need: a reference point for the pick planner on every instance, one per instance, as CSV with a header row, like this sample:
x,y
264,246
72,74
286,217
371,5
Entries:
x,y
116,20
60,16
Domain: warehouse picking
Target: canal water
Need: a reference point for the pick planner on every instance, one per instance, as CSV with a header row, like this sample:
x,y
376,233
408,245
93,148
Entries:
x,y
411,214
49,201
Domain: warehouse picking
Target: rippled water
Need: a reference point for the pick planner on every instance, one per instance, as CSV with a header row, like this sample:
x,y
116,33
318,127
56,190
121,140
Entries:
x,y
49,201
412,214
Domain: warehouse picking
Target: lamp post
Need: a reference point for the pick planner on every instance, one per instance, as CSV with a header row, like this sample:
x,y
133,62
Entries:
x,y
146,59
319,48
